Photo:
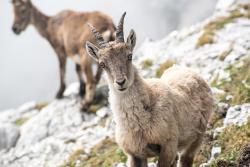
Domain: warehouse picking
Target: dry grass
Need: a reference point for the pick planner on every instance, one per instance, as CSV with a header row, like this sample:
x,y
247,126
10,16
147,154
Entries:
x,y
41,105
146,64
167,64
224,54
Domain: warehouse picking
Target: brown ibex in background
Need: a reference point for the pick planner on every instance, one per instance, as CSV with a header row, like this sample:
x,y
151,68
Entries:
x,y
154,117
67,33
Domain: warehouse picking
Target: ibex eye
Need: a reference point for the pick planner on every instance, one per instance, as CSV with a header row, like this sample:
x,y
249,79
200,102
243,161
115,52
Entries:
x,y
130,57
102,65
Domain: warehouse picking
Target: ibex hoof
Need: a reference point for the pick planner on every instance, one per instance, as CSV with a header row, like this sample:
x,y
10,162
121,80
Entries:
x,y
82,91
85,107
59,95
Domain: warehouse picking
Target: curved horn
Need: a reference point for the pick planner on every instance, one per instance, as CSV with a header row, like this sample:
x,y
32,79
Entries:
x,y
99,39
119,30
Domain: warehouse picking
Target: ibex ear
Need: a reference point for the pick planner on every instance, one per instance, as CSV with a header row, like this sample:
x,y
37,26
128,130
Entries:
x,y
92,50
131,40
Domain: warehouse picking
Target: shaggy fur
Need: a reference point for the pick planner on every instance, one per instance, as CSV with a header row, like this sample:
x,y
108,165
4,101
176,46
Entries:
x,y
67,32
154,117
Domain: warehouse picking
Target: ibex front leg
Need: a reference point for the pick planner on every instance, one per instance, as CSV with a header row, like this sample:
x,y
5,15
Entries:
x,y
137,162
168,155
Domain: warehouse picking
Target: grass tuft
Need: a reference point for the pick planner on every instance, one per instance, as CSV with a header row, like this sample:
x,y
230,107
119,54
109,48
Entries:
x,y
146,64
167,64
21,121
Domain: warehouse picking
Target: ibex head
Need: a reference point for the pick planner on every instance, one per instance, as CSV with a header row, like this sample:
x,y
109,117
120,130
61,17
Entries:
x,y
22,14
115,57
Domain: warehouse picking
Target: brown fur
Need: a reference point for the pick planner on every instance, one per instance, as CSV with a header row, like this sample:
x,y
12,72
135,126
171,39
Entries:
x,y
154,117
67,32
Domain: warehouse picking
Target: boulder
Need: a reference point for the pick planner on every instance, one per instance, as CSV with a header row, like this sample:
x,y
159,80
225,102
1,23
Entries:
x,y
9,135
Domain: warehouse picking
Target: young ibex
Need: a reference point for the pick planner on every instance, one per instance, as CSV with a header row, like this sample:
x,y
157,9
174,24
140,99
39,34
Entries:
x,y
154,117
67,32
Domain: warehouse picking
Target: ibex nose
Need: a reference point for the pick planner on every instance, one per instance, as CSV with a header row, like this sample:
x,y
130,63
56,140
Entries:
x,y
121,82
14,29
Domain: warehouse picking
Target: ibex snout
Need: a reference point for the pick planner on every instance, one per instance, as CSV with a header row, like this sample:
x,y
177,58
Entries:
x,y
121,81
16,29
121,84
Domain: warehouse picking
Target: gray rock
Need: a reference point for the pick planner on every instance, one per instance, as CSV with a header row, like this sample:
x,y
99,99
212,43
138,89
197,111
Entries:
x,y
238,115
215,152
9,135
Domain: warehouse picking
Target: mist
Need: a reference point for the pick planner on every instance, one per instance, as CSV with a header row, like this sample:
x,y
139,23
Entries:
x,y
28,65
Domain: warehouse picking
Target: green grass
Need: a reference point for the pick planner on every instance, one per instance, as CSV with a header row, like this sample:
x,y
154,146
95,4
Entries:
x,y
20,121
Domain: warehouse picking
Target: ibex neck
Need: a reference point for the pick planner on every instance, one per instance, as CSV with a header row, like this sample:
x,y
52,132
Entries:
x,y
40,21
135,103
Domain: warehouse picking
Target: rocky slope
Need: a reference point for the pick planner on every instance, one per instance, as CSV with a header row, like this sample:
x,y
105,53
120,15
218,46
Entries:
x,y
57,134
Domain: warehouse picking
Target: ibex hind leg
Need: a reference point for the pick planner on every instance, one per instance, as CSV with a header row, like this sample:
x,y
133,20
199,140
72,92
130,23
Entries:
x,y
62,64
86,67
187,157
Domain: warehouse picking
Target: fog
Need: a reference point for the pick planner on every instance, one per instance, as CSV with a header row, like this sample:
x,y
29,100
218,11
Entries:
x,y
28,65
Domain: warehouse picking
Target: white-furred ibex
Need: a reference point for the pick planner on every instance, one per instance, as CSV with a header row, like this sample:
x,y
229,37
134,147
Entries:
x,y
67,32
154,117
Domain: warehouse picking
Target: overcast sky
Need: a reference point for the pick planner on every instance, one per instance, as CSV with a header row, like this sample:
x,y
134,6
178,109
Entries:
x,y
29,66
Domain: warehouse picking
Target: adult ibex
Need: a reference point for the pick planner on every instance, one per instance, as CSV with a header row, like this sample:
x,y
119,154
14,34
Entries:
x,y
67,33
154,117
